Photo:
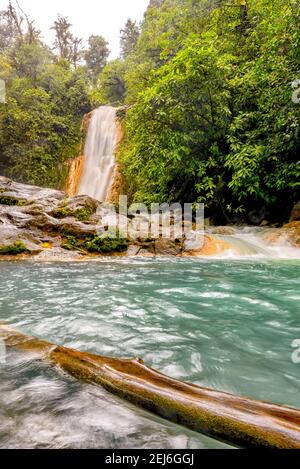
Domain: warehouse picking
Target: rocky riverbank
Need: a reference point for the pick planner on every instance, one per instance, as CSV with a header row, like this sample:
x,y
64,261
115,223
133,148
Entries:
x,y
46,224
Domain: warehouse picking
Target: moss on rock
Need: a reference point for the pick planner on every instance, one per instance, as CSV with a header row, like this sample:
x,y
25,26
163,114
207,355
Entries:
x,y
12,201
81,214
106,244
95,243
13,249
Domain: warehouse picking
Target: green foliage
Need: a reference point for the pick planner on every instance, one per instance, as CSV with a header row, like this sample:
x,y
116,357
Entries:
x,y
104,244
82,214
110,87
177,129
40,124
68,47
47,96
29,60
166,26
129,38
264,133
71,243
96,55
17,248
211,117
62,212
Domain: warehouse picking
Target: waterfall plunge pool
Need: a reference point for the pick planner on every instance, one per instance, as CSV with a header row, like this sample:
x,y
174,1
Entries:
x,y
224,324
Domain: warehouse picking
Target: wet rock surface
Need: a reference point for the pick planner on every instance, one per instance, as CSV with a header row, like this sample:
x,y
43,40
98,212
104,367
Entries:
x,y
288,233
42,218
46,224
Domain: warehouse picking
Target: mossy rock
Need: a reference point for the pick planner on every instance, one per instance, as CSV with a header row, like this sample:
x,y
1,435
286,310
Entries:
x,y
61,212
71,243
84,214
95,244
81,214
13,249
12,201
106,244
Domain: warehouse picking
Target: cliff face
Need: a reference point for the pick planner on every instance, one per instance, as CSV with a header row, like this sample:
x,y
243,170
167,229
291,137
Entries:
x,y
75,171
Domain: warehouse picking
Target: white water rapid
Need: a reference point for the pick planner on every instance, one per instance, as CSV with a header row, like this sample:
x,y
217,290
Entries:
x,y
99,161
254,242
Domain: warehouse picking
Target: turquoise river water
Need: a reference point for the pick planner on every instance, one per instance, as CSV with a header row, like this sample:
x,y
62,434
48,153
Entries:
x,y
225,324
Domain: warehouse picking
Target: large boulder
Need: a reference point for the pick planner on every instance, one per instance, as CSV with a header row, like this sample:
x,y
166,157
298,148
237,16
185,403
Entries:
x,y
167,247
209,246
14,193
292,231
193,241
43,222
70,226
13,215
11,239
81,207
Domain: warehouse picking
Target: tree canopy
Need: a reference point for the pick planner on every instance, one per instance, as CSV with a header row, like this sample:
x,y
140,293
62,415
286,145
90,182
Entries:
x,y
211,91
48,92
211,115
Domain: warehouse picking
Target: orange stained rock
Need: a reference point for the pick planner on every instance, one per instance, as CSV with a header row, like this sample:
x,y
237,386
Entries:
x,y
212,247
74,175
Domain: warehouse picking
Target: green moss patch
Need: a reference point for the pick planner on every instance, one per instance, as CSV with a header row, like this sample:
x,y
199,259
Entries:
x,y
12,201
17,248
96,244
71,243
82,214
106,244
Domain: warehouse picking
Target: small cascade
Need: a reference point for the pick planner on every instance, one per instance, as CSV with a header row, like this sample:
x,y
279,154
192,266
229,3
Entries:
x,y
99,159
256,242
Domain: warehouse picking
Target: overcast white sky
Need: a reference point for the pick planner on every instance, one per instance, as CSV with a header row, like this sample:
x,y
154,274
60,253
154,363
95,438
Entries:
x,y
102,17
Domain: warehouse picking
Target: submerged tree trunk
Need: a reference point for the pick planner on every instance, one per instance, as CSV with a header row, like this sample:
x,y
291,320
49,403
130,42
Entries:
x,y
236,420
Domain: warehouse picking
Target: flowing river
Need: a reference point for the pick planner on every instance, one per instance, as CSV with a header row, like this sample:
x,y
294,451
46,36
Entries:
x,y
225,324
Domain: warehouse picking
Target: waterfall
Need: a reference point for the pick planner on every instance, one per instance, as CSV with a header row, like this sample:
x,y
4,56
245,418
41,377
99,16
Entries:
x,y
99,159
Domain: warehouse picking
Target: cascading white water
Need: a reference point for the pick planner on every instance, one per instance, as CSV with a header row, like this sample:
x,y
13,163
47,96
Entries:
x,y
254,242
99,156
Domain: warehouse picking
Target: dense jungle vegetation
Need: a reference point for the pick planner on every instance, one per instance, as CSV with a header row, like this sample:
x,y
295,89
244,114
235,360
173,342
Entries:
x,y
207,87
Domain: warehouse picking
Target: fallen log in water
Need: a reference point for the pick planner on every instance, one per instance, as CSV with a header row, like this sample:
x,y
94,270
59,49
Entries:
x,y
240,421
